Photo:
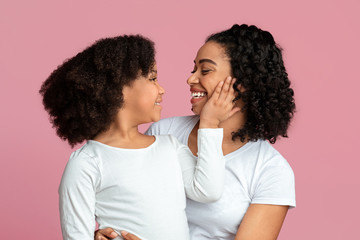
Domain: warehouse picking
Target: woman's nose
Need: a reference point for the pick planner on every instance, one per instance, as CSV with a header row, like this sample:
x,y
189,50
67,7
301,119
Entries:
x,y
192,79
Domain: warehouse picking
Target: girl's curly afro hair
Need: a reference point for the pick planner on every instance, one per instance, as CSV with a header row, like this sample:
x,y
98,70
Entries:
x,y
84,94
257,64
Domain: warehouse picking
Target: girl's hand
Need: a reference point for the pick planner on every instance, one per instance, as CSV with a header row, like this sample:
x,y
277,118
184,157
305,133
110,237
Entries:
x,y
109,233
220,105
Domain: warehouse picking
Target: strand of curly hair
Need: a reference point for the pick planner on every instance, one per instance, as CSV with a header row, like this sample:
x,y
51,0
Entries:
x,y
257,64
84,94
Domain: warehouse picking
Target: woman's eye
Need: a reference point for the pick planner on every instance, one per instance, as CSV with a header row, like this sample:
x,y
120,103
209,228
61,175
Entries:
x,y
153,79
202,71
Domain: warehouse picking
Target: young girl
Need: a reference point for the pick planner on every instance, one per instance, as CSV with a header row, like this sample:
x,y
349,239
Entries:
x,y
126,180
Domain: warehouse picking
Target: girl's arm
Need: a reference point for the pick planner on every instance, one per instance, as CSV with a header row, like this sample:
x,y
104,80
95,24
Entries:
x,y
204,178
77,197
262,222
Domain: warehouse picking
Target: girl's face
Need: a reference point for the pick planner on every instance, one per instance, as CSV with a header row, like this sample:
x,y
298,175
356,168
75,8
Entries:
x,y
211,66
142,100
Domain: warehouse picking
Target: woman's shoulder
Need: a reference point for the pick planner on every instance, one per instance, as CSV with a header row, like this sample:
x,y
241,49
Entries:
x,y
178,120
172,124
260,154
269,155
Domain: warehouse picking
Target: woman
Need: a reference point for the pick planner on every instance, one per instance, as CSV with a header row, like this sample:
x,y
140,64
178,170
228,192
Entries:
x,y
259,183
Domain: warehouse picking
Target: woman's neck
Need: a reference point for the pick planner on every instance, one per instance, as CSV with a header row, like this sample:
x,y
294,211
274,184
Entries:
x,y
229,126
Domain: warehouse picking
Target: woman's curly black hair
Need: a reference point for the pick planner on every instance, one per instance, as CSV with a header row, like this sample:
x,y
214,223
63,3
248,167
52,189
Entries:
x,y
84,94
257,65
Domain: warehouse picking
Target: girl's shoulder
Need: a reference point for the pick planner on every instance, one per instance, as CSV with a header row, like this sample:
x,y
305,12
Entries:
x,y
85,154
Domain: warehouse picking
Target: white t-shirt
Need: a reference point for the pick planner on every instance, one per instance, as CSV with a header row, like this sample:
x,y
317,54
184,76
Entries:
x,y
255,173
139,190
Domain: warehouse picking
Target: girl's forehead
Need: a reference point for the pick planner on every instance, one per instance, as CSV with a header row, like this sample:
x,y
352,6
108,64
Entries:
x,y
154,68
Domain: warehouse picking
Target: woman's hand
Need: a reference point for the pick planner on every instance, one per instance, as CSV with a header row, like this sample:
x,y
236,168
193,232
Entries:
x,y
220,105
109,233
104,234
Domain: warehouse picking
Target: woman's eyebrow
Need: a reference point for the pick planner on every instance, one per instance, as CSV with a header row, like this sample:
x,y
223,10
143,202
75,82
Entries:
x,y
207,60
154,71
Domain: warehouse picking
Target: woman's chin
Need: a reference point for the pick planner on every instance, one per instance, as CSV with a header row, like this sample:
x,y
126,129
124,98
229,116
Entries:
x,y
196,109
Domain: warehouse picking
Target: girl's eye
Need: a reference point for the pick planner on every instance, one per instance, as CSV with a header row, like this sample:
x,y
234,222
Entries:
x,y
153,79
193,71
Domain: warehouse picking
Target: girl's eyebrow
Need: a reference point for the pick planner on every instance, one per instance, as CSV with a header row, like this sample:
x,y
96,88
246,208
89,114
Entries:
x,y
154,71
206,60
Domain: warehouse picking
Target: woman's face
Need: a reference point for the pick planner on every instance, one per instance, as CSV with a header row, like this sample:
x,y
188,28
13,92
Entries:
x,y
211,66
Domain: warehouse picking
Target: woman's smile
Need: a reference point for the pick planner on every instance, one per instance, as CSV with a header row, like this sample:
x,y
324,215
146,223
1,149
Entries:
x,y
197,95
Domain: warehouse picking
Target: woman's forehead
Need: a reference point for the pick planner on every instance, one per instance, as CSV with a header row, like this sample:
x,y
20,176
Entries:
x,y
211,50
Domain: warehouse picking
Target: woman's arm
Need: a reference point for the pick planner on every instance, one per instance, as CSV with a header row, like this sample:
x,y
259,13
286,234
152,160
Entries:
x,y
262,222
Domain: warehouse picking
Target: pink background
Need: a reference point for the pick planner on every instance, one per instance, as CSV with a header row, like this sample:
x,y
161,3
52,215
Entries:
x,y
321,49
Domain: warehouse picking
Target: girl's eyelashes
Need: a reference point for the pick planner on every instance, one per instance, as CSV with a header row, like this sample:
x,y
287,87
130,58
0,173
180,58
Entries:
x,y
153,79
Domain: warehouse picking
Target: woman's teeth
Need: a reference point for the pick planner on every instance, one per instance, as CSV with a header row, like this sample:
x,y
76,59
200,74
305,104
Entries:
x,y
198,94
157,103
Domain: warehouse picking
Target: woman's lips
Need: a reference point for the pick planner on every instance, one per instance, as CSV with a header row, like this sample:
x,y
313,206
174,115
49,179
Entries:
x,y
197,95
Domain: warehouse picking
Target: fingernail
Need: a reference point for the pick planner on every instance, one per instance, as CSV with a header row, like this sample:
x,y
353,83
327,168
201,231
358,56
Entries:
x,y
124,233
222,82
113,234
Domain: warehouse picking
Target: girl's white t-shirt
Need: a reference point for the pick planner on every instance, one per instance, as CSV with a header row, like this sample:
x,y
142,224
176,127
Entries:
x,y
141,191
254,174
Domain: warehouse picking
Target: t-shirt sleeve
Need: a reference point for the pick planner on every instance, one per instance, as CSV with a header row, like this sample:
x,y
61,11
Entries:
x,y
159,128
204,176
275,185
77,197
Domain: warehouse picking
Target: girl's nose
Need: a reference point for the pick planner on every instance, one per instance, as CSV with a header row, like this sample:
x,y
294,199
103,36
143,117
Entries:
x,y
161,90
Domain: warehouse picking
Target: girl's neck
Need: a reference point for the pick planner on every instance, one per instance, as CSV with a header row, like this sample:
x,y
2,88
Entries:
x,y
123,135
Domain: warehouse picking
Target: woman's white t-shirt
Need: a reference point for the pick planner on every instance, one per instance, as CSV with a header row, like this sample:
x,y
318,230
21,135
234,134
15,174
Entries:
x,y
255,174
